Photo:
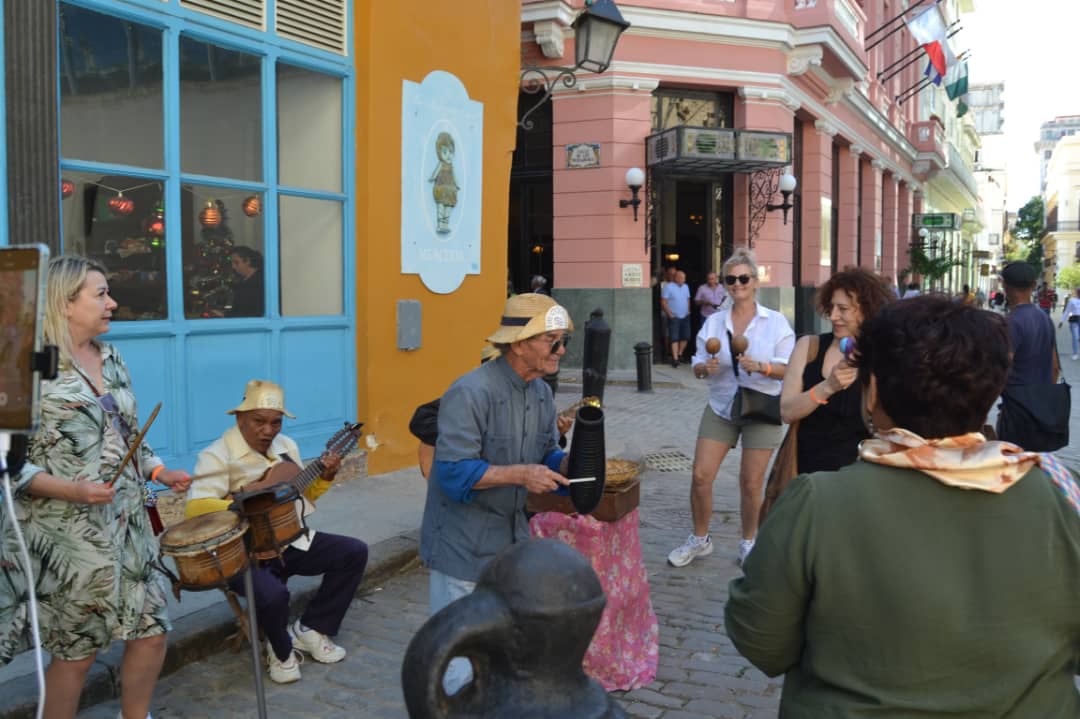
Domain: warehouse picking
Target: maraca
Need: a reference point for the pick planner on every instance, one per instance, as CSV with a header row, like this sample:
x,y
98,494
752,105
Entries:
x,y
847,346
712,346
739,344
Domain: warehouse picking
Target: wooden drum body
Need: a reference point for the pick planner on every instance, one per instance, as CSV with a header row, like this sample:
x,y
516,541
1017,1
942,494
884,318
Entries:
x,y
208,549
274,519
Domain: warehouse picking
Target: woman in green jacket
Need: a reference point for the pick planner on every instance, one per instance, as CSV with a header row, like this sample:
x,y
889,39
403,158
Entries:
x,y
939,575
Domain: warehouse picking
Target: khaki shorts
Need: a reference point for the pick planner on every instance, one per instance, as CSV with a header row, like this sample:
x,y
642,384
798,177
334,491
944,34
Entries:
x,y
757,435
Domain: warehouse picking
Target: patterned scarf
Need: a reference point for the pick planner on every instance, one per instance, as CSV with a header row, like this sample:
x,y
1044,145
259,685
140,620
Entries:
x,y
967,461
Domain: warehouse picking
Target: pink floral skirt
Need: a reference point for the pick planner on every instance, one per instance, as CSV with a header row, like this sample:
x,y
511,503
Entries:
x,y
625,649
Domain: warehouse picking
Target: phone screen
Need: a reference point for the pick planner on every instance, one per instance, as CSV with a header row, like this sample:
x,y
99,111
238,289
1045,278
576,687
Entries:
x,y
22,293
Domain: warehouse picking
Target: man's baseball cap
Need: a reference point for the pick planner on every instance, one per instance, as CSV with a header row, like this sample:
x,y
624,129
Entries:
x,y
1019,274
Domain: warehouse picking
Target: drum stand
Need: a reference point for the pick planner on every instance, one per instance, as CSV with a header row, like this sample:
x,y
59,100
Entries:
x,y
253,637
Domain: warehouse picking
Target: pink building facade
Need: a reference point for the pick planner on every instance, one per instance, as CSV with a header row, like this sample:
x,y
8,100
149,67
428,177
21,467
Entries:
x,y
794,80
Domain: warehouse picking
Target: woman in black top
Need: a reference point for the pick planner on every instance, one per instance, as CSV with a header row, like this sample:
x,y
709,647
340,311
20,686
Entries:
x,y
818,390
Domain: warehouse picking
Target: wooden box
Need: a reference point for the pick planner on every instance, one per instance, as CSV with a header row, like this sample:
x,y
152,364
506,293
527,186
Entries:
x,y
618,501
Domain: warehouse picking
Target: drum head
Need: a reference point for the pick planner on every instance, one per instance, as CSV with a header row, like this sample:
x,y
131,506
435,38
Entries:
x,y
200,529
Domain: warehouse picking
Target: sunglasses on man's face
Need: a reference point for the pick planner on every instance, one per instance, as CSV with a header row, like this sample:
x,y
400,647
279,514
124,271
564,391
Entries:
x,y
743,279
556,345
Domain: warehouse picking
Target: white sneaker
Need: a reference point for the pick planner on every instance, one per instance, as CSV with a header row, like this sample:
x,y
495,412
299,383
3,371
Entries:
x,y
319,646
695,547
120,715
283,672
745,545
1076,357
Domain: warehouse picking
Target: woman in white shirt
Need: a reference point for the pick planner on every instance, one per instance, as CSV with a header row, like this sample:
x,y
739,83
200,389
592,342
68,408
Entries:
x,y
1072,314
760,367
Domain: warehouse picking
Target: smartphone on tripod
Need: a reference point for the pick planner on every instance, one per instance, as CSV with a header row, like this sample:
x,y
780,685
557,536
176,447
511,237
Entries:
x,y
22,310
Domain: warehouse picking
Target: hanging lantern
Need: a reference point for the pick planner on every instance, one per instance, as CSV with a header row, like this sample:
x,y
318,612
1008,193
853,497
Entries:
x,y
121,206
252,206
210,216
154,226
67,188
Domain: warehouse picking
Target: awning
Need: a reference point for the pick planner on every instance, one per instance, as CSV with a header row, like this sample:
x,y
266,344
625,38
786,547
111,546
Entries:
x,y
686,150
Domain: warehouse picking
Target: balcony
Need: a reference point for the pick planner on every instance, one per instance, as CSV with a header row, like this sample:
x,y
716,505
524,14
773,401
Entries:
x,y
928,137
1055,225
844,16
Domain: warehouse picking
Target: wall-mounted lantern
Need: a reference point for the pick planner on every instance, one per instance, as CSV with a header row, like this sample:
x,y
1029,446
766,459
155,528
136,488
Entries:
x,y
787,186
635,178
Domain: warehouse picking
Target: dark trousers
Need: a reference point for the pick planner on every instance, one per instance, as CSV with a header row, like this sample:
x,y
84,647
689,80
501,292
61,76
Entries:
x,y
341,561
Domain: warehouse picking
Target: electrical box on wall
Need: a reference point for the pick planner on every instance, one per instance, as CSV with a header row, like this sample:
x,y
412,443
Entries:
x,y
408,324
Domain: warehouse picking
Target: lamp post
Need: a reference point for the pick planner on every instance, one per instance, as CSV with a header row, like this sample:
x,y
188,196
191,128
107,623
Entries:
x,y
596,32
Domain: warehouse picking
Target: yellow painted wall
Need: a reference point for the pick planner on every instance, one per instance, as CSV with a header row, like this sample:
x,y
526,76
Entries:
x,y
479,42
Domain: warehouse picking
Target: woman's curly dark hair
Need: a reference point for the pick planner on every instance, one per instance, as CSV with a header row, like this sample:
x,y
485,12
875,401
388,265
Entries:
x,y
939,364
867,289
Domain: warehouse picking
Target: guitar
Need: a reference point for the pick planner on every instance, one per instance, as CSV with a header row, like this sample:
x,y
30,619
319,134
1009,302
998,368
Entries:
x,y
270,503
343,442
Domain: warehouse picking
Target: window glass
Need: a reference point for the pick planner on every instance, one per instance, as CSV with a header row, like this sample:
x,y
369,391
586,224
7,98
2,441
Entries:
x,y
220,111
110,81
119,221
222,231
695,109
309,129
310,256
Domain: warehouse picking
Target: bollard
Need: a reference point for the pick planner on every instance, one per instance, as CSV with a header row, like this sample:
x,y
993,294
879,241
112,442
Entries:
x,y
553,382
643,350
594,358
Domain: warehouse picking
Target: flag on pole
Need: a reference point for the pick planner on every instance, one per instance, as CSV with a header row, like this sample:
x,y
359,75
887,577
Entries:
x,y
956,87
928,29
950,62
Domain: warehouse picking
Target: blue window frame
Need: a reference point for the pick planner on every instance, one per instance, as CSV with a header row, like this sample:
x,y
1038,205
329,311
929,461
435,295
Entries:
x,y
208,165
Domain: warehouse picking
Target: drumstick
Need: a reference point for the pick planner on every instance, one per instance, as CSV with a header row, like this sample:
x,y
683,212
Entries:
x,y
134,445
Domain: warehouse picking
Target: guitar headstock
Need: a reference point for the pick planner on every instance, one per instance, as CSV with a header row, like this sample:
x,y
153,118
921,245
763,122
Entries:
x,y
345,439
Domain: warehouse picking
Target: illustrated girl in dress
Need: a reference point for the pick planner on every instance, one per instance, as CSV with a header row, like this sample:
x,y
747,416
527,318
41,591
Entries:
x,y
445,187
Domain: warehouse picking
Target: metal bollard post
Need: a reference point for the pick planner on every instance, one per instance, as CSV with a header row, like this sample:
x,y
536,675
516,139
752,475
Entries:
x,y
595,355
643,352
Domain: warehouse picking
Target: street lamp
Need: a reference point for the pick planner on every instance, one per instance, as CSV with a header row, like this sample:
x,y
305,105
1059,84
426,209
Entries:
x,y
596,32
786,187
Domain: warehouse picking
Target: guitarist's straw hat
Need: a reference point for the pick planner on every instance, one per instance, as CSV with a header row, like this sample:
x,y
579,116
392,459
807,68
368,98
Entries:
x,y
260,394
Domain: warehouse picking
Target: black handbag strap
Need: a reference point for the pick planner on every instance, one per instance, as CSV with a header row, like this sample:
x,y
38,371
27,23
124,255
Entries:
x,y
734,362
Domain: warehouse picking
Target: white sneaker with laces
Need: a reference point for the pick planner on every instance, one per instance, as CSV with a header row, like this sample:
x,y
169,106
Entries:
x,y
319,646
745,545
693,548
1075,357
283,672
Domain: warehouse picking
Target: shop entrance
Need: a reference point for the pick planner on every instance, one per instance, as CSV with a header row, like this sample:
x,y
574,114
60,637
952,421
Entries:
x,y
692,232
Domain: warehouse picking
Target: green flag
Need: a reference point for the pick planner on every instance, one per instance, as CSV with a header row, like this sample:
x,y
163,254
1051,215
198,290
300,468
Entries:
x,y
956,83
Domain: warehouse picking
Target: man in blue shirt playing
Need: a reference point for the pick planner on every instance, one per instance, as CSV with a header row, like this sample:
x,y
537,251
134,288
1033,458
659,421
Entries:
x,y
497,442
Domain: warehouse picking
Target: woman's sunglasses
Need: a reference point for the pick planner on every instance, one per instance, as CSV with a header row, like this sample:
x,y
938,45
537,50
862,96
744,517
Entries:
x,y
743,279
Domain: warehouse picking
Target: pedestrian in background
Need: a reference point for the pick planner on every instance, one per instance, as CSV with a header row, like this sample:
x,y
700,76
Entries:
x,y
539,285
710,296
939,577
675,302
912,290
761,367
1072,316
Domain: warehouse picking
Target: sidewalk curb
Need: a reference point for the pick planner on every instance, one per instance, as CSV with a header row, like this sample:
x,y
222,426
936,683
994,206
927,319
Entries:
x,y
203,633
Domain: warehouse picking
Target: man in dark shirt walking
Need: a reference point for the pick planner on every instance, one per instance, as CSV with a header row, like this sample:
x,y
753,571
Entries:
x,y
1034,360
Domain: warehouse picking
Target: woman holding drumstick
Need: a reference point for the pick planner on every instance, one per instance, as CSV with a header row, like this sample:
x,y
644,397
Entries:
x,y
91,541
760,366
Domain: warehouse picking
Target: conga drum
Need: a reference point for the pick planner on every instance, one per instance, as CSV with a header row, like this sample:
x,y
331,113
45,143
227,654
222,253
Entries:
x,y
208,550
275,521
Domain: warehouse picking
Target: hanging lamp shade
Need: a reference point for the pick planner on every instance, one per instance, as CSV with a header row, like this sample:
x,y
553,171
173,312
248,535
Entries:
x,y
596,32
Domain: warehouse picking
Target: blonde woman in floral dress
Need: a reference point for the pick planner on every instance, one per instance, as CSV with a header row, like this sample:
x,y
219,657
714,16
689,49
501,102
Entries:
x,y
92,544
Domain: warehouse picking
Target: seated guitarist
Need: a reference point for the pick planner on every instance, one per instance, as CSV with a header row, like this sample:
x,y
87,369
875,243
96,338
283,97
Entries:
x,y
240,457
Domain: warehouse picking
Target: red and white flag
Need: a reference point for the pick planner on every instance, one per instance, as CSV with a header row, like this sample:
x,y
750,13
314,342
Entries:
x,y
928,29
